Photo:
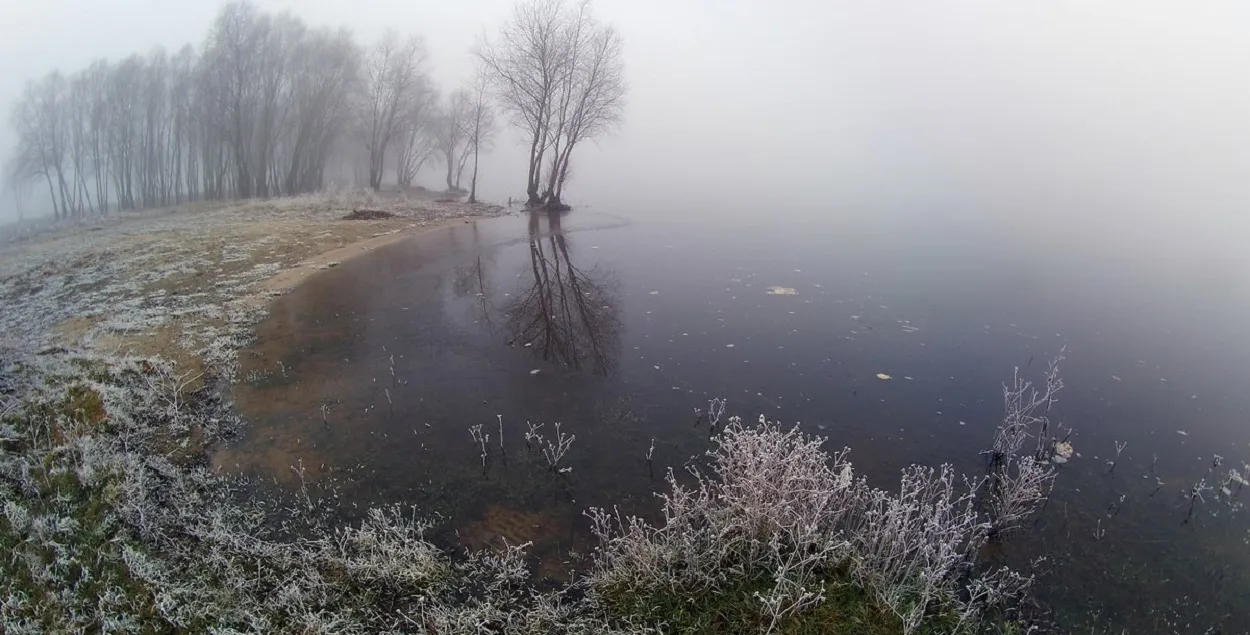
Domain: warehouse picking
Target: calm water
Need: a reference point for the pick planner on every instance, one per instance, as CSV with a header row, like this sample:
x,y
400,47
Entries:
x,y
372,373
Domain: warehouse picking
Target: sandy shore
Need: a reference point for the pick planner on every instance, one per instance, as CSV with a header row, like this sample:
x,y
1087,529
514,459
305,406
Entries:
x,y
186,284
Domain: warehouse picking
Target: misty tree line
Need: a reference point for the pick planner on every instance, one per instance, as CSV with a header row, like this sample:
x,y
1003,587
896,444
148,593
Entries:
x,y
268,106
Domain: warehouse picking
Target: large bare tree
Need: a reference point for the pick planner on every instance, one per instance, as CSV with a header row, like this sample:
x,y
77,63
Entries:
x,y
557,73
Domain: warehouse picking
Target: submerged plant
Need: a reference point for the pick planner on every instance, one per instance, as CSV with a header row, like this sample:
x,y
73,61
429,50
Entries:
x,y
554,452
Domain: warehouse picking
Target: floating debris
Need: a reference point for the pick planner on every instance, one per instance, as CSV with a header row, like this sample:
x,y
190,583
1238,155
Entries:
x,y
729,346
782,291
655,293
1116,378
1182,433
883,376
535,371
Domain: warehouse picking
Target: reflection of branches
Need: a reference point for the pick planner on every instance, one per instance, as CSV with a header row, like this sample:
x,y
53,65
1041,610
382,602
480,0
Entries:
x,y
471,281
567,314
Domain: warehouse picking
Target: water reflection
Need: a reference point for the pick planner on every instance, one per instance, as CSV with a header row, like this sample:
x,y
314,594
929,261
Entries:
x,y
473,280
565,313
408,347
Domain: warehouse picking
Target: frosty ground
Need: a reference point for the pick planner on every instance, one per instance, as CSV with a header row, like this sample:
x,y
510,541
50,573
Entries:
x,y
118,336
186,283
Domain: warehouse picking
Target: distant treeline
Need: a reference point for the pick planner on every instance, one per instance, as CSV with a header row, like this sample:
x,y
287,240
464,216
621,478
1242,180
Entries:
x,y
266,106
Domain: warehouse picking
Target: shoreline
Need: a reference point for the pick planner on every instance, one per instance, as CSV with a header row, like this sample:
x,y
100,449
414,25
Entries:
x,y
187,284
292,277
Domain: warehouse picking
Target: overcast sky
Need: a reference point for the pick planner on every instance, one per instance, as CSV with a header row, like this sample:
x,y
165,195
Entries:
x,y
1123,110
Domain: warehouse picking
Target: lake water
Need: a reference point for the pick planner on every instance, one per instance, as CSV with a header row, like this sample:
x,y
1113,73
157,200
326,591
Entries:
x,y
619,324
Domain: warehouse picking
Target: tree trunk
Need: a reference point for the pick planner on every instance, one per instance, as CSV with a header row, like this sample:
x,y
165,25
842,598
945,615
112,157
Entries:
x,y
473,182
451,160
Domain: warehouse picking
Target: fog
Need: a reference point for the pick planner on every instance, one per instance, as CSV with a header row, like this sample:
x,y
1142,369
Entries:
x,y
1084,120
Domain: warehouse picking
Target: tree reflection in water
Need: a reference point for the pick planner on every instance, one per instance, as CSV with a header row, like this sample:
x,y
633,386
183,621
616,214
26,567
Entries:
x,y
473,280
566,314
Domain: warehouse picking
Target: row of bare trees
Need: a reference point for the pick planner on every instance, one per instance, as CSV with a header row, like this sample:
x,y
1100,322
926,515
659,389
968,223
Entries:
x,y
557,73
267,106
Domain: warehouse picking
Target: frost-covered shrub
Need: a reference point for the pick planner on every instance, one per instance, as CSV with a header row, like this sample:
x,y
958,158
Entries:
x,y
777,506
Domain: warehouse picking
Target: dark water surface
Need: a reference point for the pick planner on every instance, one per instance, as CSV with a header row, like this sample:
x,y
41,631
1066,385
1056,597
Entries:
x,y
371,374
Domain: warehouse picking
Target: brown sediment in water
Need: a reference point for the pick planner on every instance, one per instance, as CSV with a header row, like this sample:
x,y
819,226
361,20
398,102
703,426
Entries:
x,y
291,277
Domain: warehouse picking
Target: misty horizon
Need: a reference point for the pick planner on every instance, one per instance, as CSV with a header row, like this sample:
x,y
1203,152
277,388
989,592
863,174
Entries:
x,y
1087,113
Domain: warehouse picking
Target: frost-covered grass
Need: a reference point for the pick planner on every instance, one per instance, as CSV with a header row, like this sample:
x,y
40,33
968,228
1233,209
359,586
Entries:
x,y
110,520
183,283
112,523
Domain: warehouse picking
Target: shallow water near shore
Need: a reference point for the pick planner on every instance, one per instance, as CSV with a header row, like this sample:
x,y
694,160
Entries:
x,y
618,325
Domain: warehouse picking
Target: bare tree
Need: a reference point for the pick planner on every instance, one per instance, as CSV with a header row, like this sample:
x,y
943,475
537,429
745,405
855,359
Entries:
x,y
418,139
591,95
392,71
480,128
557,73
263,108
524,63
325,69
450,135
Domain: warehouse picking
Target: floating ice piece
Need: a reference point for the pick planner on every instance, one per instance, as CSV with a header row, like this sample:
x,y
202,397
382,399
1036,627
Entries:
x,y
781,291
1063,452
883,376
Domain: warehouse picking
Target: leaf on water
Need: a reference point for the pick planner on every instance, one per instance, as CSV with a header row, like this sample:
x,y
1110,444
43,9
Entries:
x,y
883,376
782,291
